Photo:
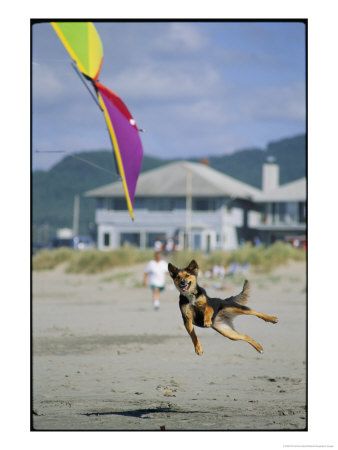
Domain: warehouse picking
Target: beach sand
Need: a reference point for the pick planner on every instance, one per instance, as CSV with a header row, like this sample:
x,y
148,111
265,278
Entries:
x,y
104,360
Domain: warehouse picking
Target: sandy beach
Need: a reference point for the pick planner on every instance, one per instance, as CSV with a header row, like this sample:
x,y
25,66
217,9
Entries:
x,y
104,360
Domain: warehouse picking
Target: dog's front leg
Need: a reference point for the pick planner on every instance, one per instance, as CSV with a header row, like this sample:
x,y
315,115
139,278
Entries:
x,y
208,313
190,329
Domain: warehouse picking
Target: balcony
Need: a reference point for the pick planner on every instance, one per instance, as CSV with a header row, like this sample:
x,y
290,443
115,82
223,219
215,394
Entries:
x,y
176,217
287,222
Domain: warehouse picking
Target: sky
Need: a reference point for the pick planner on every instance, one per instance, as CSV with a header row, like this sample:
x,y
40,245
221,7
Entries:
x,y
197,88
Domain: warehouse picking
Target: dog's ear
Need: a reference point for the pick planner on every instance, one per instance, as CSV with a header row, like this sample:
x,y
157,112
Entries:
x,y
193,267
172,270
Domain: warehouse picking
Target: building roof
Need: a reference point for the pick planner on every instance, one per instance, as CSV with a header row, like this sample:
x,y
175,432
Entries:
x,y
295,191
170,180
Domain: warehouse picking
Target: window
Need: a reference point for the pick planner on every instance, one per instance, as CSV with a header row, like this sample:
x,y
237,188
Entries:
x,y
106,239
292,211
116,204
204,204
159,204
151,238
197,241
200,204
130,238
120,204
100,203
179,203
139,203
273,211
302,212
282,211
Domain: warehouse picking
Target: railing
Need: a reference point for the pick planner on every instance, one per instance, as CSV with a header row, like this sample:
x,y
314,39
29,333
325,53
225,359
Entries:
x,y
277,222
145,216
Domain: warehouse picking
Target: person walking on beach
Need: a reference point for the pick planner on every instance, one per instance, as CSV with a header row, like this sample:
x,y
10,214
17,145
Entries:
x,y
154,276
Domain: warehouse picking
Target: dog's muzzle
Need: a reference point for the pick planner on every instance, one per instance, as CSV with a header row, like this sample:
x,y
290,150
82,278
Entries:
x,y
184,286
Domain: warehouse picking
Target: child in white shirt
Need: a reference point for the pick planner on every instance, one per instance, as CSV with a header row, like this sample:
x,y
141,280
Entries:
x,y
155,276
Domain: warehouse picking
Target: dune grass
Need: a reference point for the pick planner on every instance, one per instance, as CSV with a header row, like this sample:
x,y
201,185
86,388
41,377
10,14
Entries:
x,y
262,259
49,259
89,261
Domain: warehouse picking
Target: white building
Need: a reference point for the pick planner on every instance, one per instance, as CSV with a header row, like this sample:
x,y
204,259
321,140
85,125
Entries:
x,y
192,203
284,207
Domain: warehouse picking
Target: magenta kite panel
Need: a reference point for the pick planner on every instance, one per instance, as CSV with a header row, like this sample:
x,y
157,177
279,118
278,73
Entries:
x,y
127,136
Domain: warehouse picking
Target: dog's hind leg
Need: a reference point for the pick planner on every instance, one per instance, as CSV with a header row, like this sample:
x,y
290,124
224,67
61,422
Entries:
x,y
251,312
224,328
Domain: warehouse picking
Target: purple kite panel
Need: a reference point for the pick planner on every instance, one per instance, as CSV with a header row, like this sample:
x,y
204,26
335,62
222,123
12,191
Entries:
x,y
129,143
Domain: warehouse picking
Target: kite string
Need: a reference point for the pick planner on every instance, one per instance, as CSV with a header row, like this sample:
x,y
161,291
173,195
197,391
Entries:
x,y
90,163
85,84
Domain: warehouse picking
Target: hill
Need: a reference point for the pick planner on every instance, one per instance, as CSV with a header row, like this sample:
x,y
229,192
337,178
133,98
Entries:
x,y
246,165
53,191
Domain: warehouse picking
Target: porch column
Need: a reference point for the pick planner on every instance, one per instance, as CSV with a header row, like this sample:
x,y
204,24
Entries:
x,y
142,240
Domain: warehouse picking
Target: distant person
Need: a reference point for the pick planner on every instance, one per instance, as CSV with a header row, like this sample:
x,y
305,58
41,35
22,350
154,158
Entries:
x,y
218,271
154,276
158,246
242,243
296,243
169,246
257,241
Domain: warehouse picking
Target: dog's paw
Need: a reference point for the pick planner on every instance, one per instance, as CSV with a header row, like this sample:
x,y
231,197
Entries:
x,y
207,323
271,319
198,350
259,348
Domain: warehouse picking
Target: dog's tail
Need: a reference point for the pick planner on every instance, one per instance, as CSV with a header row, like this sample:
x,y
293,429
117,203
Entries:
x,y
243,297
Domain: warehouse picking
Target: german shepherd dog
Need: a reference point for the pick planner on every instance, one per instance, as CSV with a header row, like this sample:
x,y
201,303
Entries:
x,y
203,311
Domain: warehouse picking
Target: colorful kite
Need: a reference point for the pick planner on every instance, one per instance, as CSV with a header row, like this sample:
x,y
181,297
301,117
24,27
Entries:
x,y
84,46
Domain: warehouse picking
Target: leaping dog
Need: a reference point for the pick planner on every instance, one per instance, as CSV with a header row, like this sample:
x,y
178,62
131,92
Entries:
x,y
199,309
